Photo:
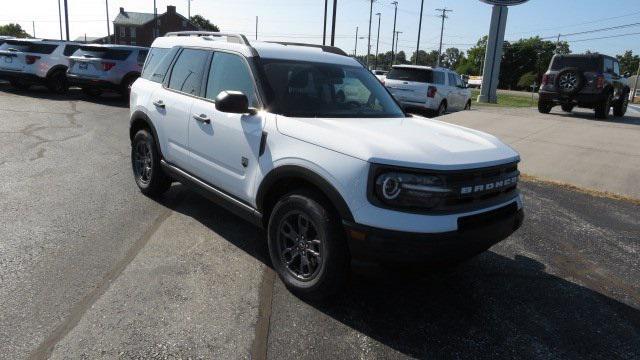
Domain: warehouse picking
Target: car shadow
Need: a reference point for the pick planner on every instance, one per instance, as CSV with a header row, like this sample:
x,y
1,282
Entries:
x,y
589,115
74,94
490,307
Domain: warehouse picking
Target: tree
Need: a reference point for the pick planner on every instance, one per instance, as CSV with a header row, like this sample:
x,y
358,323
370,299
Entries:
x,y
425,58
203,23
401,58
452,57
527,80
530,55
472,64
14,30
629,62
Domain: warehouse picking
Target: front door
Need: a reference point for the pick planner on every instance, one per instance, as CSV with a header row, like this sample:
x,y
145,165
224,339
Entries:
x,y
224,146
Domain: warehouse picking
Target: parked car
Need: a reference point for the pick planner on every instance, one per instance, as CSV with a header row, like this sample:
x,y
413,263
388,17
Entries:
x,y
305,142
380,74
436,90
96,68
26,62
585,80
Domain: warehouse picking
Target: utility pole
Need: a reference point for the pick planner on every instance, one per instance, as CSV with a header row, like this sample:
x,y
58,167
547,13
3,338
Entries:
x,y
60,17
558,43
355,49
369,35
156,32
378,39
443,16
635,86
419,31
33,24
108,25
66,18
397,39
333,23
395,17
324,27
189,10
256,28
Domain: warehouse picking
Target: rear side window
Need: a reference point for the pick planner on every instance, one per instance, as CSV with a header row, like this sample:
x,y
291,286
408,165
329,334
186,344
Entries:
x,y
70,49
438,77
452,79
229,72
186,75
31,47
103,53
587,63
409,74
142,56
157,64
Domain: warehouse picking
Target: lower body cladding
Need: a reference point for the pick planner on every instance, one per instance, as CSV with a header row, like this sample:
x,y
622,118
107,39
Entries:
x,y
475,233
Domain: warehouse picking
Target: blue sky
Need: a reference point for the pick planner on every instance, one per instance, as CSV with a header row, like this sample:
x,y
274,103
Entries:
x,y
301,20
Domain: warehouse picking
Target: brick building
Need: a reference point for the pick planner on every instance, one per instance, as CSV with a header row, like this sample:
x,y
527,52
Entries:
x,y
134,28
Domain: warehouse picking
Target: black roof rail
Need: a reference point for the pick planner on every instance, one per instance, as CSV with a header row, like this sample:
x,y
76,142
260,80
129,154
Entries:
x,y
231,37
325,48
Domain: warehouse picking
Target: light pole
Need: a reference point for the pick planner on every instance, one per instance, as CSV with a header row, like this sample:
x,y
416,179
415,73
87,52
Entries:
x,y
66,18
378,39
108,26
189,10
60,17
369,35
397,39
324,27
393,37
333,23
419,31
355,49
443,16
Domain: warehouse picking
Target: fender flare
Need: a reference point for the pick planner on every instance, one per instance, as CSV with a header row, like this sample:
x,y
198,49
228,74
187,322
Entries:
x,y
130,75
57,68
299,172
140,118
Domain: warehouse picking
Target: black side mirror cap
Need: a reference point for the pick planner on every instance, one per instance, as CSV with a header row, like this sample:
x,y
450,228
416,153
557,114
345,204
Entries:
x,y
234,102
627,74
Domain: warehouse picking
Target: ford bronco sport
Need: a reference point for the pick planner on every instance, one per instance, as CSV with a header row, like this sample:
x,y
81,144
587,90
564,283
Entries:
x,y
305,142
589,80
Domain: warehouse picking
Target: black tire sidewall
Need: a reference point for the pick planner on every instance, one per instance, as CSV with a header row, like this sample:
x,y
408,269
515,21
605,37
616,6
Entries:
x,y
57,82
159,182
335,257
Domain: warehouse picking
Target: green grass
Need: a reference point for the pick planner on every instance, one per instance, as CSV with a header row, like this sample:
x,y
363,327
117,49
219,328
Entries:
x,y
504,100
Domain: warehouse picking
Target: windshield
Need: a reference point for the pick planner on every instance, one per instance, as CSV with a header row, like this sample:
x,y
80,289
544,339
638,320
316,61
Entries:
x,y
102,53
309,89
586,63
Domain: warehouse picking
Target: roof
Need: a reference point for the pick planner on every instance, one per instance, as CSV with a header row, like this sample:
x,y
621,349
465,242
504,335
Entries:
x,y
88,38
115,46
133,18
420,67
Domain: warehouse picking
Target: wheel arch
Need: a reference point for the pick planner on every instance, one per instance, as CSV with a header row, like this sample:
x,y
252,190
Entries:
x,y
129,75
140,120
283,179
55,69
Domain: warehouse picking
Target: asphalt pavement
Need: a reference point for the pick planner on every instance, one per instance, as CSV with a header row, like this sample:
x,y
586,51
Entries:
x,y
90,268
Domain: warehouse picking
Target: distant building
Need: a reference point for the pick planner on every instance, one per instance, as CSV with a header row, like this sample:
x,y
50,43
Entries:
x,y
93,39
134,28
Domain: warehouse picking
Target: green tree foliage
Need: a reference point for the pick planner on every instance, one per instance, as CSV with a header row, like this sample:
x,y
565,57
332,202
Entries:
x,y
203,24
527,80
425,58
14,30
452,58
531,55
629,62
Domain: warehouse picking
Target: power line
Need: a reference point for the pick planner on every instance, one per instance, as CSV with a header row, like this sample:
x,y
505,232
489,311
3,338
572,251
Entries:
x,y
576,24
603,37
596,30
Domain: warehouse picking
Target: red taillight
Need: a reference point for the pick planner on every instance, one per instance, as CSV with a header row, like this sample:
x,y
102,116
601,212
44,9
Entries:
x,y
431,92
545,79
31,59
600,81
106,66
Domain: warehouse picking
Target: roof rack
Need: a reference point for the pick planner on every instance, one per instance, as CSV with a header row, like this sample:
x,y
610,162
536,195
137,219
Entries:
x,y
325,48
234,38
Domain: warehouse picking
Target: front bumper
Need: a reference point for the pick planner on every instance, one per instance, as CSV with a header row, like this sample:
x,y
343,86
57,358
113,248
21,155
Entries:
x,y
21,76
75,80
476,233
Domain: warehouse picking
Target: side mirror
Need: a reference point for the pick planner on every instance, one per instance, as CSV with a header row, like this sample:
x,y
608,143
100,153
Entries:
x,y
234,102
627,74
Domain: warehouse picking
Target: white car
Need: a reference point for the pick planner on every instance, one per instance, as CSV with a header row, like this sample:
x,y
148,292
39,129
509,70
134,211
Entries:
x,y
435,90
306,143
26,62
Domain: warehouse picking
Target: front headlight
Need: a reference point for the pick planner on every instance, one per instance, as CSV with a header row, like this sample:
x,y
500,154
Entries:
x,y
406,190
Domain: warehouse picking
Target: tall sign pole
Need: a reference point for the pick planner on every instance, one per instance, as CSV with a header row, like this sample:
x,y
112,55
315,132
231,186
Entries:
x,y
66,18
415,61
108,25
333,23
60,17
324,28
393,38
493,52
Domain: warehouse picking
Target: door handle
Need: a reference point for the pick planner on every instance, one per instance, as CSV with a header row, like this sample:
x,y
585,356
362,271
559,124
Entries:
x,y
202,118
159,103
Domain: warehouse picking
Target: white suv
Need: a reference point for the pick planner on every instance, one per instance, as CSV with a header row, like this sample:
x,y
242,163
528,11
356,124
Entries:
x,y
26,62
436,90
305,142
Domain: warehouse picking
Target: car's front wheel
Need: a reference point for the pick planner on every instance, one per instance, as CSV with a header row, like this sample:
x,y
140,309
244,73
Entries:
x,y
621,106
145,161
467,106
544,107
307,245
603,108
57,82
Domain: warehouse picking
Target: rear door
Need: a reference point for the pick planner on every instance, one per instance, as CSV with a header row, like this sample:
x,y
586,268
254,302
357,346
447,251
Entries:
x,y
409,84
455,98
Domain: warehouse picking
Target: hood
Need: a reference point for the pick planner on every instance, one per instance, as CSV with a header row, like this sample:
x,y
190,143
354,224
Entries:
x,y
415,142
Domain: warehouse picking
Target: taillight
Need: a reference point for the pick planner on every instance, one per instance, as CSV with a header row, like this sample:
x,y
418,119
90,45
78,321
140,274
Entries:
x,y
545,79
31,59
600,82
106,66
431,92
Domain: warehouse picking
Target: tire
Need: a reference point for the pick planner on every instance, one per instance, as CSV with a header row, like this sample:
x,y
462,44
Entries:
x,y
620,108
569,81
20,85
467,106
145,162
567,107
442,109
544,107
91,91
318,276
602,109
57,82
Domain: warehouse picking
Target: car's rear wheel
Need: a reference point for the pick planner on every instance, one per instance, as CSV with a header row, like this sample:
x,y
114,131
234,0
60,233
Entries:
x,y
57,82
620,108
91,91
467,106
307,245
20,85
544,107
442,109
145,161
567,107
603,108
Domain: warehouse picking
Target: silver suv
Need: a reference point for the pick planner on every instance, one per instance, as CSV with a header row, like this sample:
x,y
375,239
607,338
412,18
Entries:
x,y
26,62
96,68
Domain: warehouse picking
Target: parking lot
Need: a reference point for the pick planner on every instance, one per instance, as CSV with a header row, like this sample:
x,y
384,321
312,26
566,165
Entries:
x,y
90,268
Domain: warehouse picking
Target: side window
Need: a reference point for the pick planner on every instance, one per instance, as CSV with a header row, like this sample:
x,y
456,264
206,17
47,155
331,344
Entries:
x,y
608,65
459,81
142,55
452,79
157,64
186,75
438,77
230,72
616,68
70,49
